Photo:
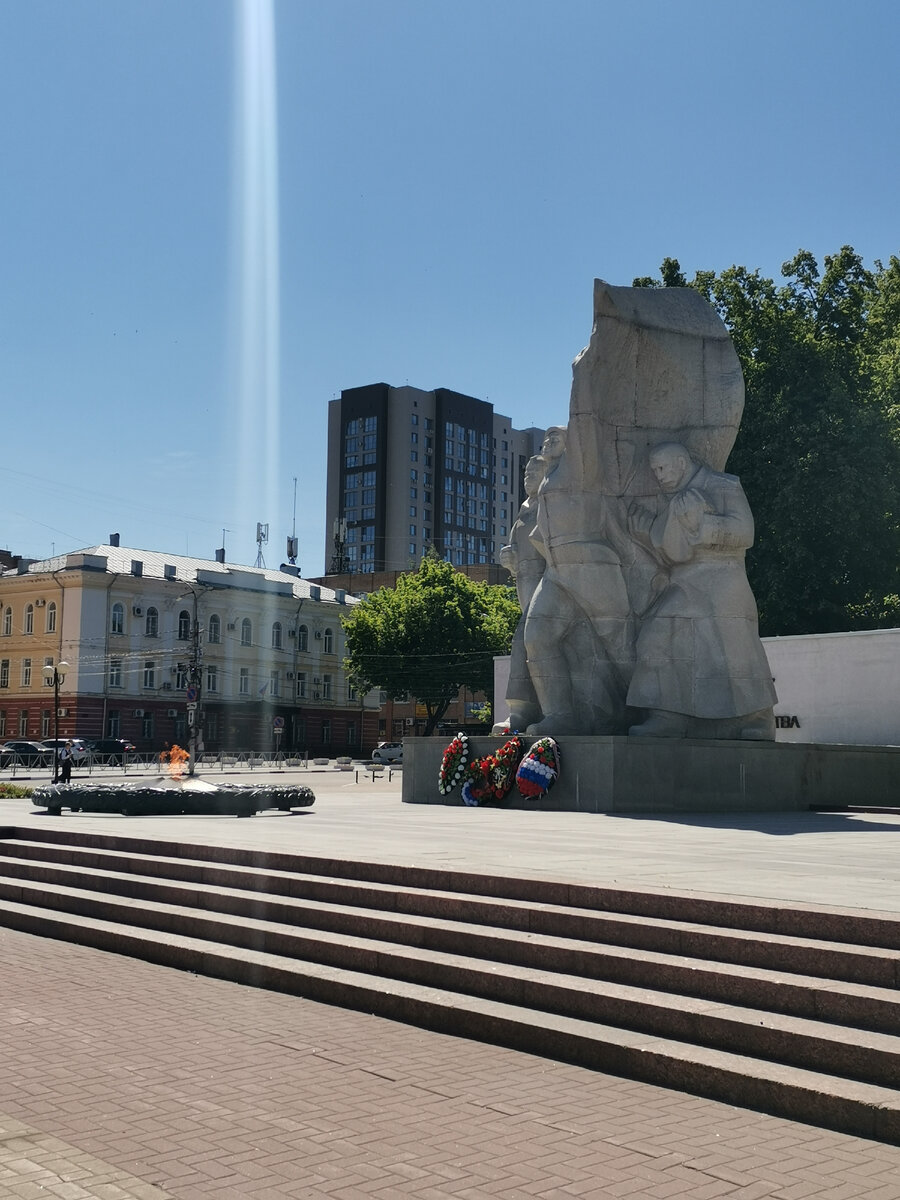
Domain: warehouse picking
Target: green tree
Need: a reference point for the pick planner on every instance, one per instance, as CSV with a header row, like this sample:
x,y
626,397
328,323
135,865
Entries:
x,y
817,450
433,633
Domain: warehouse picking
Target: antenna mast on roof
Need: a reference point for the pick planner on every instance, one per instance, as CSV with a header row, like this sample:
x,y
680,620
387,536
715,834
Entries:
x,y
292,540
262,536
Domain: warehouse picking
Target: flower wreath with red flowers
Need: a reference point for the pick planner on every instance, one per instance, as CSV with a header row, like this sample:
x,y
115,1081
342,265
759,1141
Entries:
x,y
491,777
453,764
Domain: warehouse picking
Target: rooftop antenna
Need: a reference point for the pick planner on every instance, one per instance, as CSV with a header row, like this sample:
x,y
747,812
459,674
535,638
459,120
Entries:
x,y
224,531
292,540
262,536
339,563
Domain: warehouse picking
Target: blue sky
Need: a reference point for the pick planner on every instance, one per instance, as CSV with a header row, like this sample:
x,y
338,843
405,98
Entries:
x,y
450,180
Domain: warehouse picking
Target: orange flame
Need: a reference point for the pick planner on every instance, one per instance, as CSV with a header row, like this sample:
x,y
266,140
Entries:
x,y
175,760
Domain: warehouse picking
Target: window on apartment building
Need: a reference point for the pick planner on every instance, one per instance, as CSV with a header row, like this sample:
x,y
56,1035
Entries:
x,y
413,456
414,439
303,638
184,625
50,620
45,723
7,622
117,618
4,672
326,687
29,618
149,673
181,676
48,662
215,629
26,672
414,419
301,685
113,723
370,424
23,722
3,724
351,733
246,632
212,679
276,635
151,626
328,640
326,733
274,683
115,672
147,726
244,682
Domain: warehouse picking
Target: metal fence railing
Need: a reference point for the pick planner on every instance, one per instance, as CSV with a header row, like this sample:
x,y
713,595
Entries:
x,y
151,764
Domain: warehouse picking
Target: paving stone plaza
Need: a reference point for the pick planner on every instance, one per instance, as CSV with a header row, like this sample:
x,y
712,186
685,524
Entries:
x,y
120,1078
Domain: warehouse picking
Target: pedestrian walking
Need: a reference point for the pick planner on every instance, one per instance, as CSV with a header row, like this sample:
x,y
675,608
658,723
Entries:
x,y
65,763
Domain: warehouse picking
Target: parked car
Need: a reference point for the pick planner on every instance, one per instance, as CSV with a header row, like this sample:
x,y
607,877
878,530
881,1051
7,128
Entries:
x,y
27,754
111,750
80,749
388,752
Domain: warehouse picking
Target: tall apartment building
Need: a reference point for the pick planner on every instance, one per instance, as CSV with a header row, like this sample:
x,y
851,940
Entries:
x,y
409,469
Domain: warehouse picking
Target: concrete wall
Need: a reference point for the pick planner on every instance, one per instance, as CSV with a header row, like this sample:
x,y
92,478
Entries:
x,y
832,687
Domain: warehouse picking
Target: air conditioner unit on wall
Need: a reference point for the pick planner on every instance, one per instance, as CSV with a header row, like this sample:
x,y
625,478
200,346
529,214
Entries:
x,y
290,674
138,712
171,712
318,633
136,610
410,721
39,603
231,625
63,712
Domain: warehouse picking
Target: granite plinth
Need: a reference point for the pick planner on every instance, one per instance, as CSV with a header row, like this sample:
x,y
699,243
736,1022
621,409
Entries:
x,y
660,775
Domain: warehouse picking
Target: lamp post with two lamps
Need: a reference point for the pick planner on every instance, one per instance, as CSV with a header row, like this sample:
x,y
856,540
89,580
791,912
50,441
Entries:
x,y
54,675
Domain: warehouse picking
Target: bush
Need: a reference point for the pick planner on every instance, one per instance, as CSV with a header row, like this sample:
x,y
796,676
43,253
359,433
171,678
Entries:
x,y
11,791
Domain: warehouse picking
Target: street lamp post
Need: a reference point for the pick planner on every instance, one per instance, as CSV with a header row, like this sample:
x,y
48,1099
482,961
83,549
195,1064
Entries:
x,y
194,684
56,675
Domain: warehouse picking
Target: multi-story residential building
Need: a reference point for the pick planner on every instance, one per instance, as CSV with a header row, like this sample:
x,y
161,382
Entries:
x,y
264,648
409,469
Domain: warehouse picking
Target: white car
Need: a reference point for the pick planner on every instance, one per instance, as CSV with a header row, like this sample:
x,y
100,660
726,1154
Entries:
x,y
388,752
79,747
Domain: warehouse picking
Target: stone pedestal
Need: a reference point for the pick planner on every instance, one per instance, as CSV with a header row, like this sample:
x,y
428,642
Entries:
x,y
660,775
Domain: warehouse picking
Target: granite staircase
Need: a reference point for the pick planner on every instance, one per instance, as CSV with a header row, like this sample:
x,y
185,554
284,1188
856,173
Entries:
x,y
788,1009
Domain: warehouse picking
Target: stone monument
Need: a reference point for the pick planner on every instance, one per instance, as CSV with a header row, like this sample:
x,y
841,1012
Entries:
x,y
637,614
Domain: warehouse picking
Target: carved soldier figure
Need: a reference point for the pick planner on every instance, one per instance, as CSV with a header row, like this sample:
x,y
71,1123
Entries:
x,y
582,584
698,656
526,564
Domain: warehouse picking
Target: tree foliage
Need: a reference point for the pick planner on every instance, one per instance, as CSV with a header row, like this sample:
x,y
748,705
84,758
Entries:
x,y
818,450
433,633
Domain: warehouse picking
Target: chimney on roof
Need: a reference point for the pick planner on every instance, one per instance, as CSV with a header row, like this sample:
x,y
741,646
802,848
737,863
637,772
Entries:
x,y
220,555
114,539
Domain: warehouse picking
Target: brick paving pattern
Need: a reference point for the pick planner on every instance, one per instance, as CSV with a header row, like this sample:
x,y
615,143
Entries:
x,y
120,1079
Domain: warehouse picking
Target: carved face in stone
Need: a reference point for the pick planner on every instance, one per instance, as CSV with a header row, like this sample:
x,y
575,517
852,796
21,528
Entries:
x,y
535,469
672,467
554,443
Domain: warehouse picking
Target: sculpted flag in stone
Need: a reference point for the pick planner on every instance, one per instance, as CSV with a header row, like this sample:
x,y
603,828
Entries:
x,y
640,618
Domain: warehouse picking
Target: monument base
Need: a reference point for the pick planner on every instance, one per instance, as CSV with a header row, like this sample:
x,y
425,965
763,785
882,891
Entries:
x,y
664,775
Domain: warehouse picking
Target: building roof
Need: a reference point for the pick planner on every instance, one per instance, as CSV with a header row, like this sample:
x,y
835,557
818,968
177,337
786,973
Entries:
x,y
120,559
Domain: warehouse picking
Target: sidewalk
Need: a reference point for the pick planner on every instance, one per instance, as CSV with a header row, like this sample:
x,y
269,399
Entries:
x,y
122,1079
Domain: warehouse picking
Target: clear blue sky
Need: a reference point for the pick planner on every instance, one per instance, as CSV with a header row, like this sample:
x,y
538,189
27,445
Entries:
x,y
451,178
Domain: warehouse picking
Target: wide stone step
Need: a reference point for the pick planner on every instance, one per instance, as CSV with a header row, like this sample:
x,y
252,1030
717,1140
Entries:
x,y
792,994
803,952
857,1054
773,917
865,1109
